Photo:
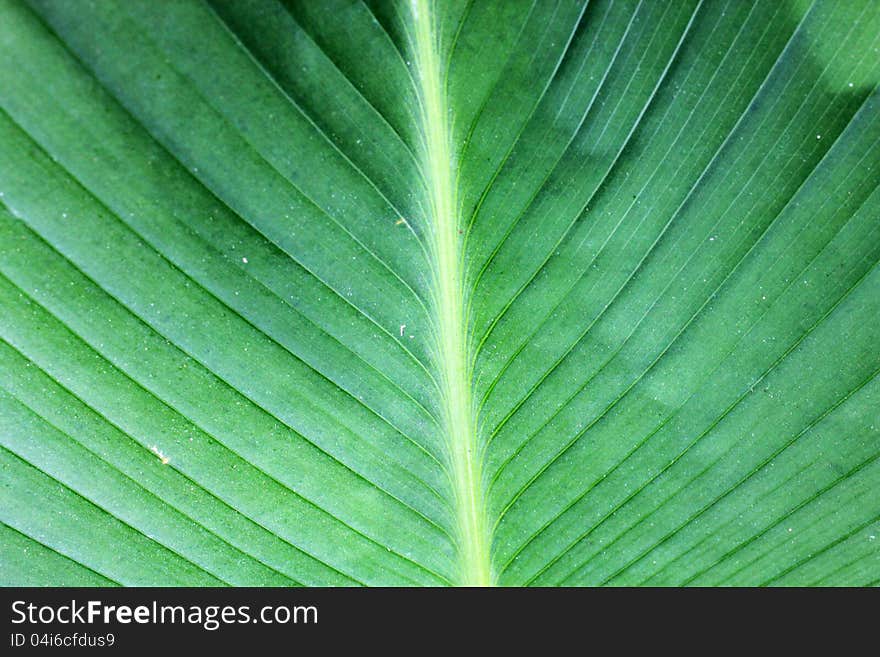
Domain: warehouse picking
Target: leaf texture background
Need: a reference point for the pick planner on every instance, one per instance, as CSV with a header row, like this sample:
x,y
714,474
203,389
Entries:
x,y
439,292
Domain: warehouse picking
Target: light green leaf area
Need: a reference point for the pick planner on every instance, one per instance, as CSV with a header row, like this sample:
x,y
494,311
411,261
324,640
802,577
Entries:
x,y
343,292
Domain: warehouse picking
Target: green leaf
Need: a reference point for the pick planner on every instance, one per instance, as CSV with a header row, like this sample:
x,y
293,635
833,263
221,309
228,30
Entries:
x,y
439,292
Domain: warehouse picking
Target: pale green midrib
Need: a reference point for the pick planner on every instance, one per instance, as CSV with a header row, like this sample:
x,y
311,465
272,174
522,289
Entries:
x,y
459,425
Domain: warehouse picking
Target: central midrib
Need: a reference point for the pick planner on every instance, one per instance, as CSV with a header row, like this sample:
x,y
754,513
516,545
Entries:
x,y
459,425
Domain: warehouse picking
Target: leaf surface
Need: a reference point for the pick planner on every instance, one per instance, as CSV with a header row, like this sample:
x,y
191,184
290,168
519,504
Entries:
x,y
439,292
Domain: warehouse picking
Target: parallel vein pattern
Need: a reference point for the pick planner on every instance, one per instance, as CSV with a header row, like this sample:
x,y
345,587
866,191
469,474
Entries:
x,y
430,292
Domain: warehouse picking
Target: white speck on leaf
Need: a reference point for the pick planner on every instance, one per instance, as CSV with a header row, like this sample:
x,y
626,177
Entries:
x,y
402,329
161,456
244,260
